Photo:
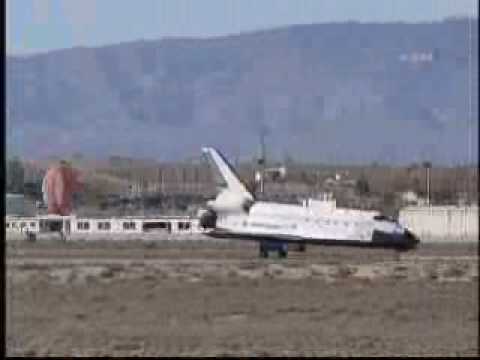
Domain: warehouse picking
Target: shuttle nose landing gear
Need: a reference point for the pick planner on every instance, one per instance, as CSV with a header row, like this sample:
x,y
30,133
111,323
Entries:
x,y
277,246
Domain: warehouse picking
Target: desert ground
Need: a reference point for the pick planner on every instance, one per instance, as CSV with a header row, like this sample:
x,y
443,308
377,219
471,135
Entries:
x,y
219,298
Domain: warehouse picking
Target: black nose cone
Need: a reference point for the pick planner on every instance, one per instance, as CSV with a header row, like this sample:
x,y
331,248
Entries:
x,y
405,240
411,239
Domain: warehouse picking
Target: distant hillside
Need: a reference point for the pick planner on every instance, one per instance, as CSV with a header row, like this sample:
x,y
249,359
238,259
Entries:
x,y
345,92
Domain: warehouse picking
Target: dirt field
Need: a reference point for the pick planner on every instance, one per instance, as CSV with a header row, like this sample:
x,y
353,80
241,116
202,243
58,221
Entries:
x,y
204,299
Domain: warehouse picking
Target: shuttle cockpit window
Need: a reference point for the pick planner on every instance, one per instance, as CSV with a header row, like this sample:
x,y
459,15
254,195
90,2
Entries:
x,y
384,218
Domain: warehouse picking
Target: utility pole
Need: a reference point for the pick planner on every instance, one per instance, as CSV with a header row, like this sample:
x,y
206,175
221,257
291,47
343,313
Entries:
x,y
427,165
262,161
160,180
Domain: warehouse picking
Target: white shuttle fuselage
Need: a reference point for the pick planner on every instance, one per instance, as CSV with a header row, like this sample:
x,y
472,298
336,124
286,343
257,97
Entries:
x,y
236,213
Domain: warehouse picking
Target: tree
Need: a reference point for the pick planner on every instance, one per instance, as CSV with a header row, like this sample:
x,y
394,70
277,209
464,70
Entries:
x,y
417,187
15,176
389,205
362,187
33,189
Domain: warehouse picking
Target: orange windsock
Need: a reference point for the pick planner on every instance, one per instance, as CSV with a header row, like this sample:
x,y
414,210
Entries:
x,y
60,183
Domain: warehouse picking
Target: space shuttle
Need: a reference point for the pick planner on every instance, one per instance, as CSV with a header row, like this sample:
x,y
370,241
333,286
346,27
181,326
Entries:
x,y
236,213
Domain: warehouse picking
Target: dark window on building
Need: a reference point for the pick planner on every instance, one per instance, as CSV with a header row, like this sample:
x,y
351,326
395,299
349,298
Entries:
x,y
32,224
129,225
8,225
161,225
54,225
105,225
84,225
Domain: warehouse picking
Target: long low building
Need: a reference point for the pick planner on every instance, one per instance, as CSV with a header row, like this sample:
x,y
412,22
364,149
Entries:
x,y
72,226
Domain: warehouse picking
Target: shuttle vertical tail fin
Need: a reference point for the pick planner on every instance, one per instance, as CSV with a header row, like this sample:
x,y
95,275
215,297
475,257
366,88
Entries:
x,y
225,173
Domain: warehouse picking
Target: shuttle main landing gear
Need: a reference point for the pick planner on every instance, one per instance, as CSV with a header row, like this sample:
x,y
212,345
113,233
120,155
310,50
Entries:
x,y
277,246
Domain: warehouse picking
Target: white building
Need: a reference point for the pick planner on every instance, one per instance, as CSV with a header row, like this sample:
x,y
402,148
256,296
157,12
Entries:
x,y
72,227
442,223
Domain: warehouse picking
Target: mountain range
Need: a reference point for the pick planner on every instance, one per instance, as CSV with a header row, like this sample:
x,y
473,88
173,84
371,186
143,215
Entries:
x,y
326,93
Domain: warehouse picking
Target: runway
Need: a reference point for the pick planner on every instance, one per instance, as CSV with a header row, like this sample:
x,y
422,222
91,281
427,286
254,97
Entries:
x,y
221,299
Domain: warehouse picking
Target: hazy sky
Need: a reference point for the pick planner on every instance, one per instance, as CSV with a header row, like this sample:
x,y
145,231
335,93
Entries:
x,y
40,25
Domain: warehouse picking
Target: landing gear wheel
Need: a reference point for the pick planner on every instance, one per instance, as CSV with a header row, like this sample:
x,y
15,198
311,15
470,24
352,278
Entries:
x,y
263,251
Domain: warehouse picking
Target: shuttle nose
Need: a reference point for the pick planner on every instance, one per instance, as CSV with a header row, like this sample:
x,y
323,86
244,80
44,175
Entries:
x,y
411,239
401,240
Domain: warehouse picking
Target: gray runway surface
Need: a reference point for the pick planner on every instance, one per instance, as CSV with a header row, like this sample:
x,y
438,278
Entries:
x,y
221,299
